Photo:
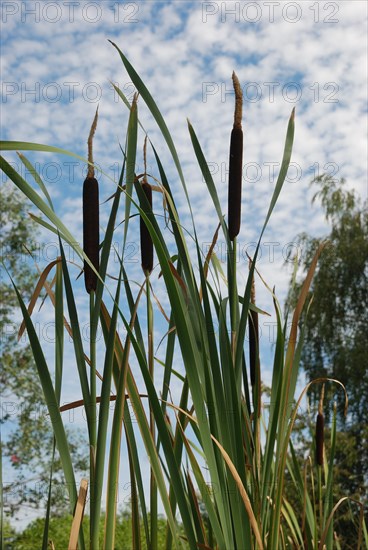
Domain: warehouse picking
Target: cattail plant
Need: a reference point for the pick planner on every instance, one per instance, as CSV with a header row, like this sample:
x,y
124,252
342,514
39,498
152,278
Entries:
x,y
320,425
91,233
235,164
234,205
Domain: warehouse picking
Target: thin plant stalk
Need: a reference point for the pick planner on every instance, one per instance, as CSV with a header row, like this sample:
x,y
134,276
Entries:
x,y
153,485
59,353
103,422
93,414
92,349
255,378
234,308
320,501
319,458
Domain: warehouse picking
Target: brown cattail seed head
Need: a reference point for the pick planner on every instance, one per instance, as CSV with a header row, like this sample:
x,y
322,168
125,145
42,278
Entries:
x,y
91,232
320,425
235,164
146,239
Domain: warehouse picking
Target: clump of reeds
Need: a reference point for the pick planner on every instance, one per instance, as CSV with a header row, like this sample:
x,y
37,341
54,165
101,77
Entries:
x,y
235,164
91,223
247,507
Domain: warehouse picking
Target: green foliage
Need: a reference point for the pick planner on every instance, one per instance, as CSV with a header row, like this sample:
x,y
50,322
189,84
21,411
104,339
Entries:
x,y
346,473
9,535
27,443
217,459
336,336
336,325
31,537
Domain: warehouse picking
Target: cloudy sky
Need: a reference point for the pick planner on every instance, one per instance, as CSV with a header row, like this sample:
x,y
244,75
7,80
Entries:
x,y
57,66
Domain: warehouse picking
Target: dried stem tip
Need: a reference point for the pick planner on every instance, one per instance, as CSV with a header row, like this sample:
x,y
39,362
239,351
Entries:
x,y
146,239
91,168
320,404
238,113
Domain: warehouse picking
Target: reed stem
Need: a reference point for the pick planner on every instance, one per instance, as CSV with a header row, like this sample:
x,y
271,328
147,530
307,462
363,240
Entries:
x,y
153,484
93,416
233,301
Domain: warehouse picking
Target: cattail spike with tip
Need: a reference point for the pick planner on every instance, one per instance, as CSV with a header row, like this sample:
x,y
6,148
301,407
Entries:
x,y
91,223
235,164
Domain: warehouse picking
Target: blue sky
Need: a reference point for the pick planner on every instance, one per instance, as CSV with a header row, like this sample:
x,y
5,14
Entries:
x,y
57,65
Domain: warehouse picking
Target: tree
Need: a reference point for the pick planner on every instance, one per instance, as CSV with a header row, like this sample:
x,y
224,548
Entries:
x,y
27,440
31,537
336,337
336,325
